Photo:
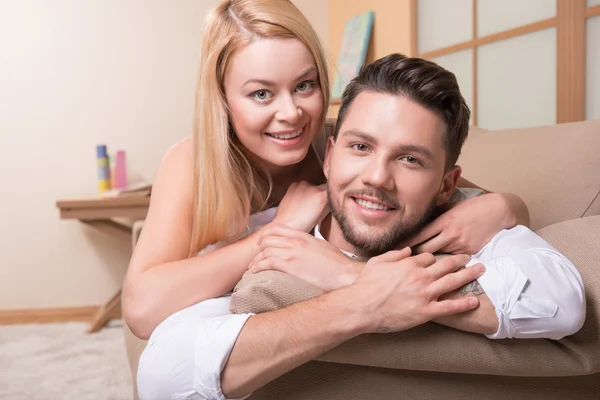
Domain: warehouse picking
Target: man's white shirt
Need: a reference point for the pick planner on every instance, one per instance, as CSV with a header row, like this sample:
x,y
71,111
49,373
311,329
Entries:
x,y
536,291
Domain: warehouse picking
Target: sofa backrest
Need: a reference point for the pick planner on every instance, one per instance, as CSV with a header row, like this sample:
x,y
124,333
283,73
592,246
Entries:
x,y
554,169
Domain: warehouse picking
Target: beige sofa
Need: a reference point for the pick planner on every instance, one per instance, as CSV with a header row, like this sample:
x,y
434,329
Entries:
x,y
556,170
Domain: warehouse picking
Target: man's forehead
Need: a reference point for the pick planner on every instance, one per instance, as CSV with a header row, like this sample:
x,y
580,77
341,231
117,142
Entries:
x,y
393,119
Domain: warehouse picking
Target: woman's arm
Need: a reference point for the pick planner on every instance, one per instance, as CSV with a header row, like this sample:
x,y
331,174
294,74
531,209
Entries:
x,y
161,279
516,209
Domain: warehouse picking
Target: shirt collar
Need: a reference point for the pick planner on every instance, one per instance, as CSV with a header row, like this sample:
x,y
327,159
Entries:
x,y
351,255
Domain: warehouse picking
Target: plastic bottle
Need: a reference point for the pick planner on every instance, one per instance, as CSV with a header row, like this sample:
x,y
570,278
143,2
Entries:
x,y
120,171
103,168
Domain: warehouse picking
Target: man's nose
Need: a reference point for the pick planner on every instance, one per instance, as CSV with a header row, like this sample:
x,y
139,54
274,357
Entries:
x,y
377,174
288,111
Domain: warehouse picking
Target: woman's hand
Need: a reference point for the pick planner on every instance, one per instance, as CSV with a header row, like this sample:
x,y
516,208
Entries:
x,y
300,254
302,207
468,225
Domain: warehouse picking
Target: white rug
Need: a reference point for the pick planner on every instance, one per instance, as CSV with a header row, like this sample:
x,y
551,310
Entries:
x,y
62,361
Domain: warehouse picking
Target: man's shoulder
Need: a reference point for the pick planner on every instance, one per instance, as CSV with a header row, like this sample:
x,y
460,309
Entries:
x,y
515,240
461,194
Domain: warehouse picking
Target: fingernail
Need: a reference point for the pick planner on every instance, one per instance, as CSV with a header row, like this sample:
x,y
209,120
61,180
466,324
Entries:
x,y
480,268
473,302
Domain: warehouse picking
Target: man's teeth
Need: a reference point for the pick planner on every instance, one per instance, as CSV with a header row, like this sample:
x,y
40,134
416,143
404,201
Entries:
x,y
372,206
285,136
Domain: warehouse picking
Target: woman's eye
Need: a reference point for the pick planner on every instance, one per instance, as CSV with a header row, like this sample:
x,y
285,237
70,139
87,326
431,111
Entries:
x,y
304,86
261,95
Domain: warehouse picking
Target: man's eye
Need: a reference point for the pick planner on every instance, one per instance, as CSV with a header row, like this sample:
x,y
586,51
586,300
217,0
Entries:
x,y
304,86
261,95
410,160
360,147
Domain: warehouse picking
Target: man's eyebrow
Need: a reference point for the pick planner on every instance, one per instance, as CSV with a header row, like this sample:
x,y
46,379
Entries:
x,y
417,149
265,82
359,134
414,148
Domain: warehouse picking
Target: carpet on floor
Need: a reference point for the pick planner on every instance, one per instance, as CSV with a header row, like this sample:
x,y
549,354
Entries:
x,y
62,361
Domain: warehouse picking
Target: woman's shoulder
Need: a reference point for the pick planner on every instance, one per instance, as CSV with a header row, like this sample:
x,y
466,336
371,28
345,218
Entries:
x,y
176,169
182,149
179,158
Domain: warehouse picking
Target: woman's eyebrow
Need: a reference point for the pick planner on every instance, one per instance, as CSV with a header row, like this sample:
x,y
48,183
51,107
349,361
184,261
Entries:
x,y
265,82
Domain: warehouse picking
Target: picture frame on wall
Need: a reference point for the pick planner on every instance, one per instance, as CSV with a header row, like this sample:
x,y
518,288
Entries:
x,y
353,52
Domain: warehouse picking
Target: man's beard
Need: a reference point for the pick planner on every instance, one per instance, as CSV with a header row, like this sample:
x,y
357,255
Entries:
x,y
374,245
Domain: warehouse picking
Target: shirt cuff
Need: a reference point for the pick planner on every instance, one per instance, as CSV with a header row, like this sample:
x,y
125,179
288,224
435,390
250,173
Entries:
x,y
214,345
503,281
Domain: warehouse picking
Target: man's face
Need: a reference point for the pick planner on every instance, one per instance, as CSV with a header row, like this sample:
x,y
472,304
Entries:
x,y
386,171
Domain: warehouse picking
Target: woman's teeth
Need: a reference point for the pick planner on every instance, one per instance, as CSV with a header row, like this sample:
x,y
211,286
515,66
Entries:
x,y
372,206
286,136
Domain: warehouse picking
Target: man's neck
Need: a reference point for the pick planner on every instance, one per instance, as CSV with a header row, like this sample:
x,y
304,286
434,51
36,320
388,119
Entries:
x,y
331,232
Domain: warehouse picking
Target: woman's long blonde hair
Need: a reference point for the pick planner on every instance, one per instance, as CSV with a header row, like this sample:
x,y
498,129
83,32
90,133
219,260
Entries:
x,y
227,186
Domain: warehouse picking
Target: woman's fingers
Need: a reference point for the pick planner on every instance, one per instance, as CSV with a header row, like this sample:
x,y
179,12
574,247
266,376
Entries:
x,y
393,255
428,232
432,245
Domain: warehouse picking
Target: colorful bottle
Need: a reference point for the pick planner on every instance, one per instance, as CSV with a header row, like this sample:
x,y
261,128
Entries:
x,y
103,169
113,174
120,171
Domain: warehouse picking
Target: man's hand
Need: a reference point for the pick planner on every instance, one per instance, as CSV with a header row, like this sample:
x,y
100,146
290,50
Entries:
x,y
302,207
395,292
300,254
465,228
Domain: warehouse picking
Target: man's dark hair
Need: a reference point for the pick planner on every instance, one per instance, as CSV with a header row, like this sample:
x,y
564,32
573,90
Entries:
x,y
421,81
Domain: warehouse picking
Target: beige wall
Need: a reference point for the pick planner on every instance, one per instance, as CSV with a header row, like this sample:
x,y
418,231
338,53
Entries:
x,y
73,74
392,29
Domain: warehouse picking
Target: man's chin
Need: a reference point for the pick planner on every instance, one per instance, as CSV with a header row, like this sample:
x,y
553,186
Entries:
x,y
369,243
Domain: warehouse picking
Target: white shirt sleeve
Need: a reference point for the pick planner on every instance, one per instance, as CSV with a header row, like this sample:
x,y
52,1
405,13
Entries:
x,y
187,352
536,291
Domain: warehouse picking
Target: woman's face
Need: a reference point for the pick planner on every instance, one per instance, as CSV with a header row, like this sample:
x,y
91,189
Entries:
x,y
273,93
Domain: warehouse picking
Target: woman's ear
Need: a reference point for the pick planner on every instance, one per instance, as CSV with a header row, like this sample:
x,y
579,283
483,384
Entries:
x,y
449,183
328,151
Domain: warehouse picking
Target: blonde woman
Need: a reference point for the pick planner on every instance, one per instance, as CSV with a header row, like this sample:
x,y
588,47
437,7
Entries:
x,y
262,97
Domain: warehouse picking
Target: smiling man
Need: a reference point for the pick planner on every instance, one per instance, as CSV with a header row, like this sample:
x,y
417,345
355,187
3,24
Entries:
x,y
390,163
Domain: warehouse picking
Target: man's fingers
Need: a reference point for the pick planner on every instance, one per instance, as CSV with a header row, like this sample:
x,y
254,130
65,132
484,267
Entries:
x,y
280,230
276,242
393,255
451,307
273,261
429,231
456,280
264,265
448,265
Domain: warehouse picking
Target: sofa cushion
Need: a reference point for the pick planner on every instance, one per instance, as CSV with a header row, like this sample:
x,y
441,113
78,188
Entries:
x,y
554,169
432,347
268,291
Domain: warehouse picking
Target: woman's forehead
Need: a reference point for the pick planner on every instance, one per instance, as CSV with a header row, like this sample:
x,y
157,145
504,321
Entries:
x,y
276,60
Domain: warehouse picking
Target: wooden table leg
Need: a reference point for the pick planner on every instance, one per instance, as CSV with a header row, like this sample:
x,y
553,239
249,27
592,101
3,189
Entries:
x,y
104,313
113,307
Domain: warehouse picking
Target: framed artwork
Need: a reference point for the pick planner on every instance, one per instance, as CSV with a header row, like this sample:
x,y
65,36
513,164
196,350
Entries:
x,y
355,42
